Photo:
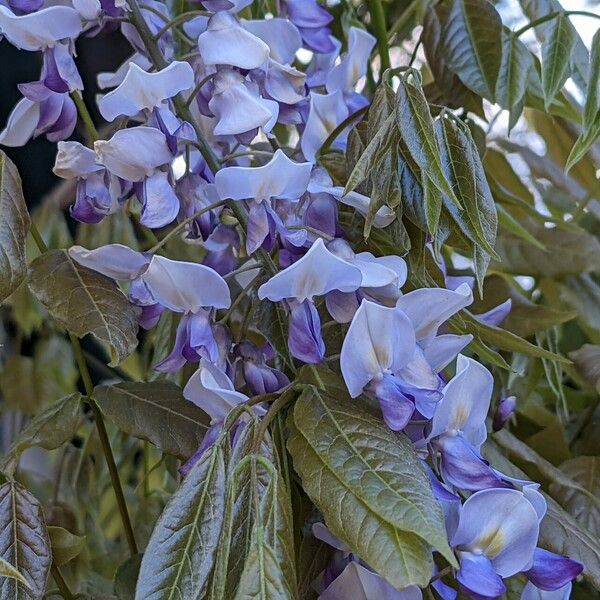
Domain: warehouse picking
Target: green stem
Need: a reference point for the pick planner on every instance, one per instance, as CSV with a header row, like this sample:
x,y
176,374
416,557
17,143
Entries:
x,y
182,18
553,15
61,584
347,121
380,27
137,19
274,409
243,294
198,87
37,238
105,443
85,116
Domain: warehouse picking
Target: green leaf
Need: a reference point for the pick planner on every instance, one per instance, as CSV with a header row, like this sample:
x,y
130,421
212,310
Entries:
x,y
511,225
373,154
269,569
84,302
556,54
416,128
50,429
472,40
591,111
65,545
7,570
272,323
126,576
584,470
156,412
181,552
505,340
567,252
468,178
24,543
14,227
559,531
516,65
369,484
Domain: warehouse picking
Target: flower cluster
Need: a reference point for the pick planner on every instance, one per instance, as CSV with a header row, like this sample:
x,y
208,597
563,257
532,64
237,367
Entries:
x,y
276,229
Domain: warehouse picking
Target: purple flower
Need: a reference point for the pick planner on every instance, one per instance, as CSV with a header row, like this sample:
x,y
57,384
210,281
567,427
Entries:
x,y
311,21
260,378
551,571
496,537
505,409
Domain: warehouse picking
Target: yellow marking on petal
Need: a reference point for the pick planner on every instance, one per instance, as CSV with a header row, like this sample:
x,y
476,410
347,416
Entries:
x,y
491,542
460,414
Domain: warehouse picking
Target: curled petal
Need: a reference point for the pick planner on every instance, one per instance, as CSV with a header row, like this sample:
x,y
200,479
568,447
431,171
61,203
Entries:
x,y
342,306
316,273
502,524
551,571
22,123
134,153
280,178
284,84
428,308
185,287
326,112
496,315
226,42
113,260
160,205
506,408
308,14
530,592
281,36
305,340
41,29
75,160
444,348
141,90
396,407
478,576
465,402
379,340
109,80
210,389
345,75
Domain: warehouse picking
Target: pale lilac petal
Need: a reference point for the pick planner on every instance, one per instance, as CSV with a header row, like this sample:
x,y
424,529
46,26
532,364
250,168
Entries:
x,y
465,402
530,592
444,348
141,90
88,9
22,123
258,227
428,308
185,287
326,112
109,80
113,260
419,374
381,271
506,408
280,178
237,107
41,29
502,524
397,409
477,575
65,66
316,273
160,205
379,339
284,83
383,217
342,306
359,583
496,315
211,390
281,36
345,75
134,153
551,571
226,42
75,160
322,532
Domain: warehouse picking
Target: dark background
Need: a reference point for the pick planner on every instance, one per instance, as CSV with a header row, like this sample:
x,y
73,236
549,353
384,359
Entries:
x,y
35,160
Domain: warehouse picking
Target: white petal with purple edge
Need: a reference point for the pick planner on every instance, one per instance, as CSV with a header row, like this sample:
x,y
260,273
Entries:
x,y
345,75
134,153
280,178
41,29
428,308
226,42
75,160
22,122
326,112
113,260
379,340
281,35
316,273
211,390
465,402
184,286
141,90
